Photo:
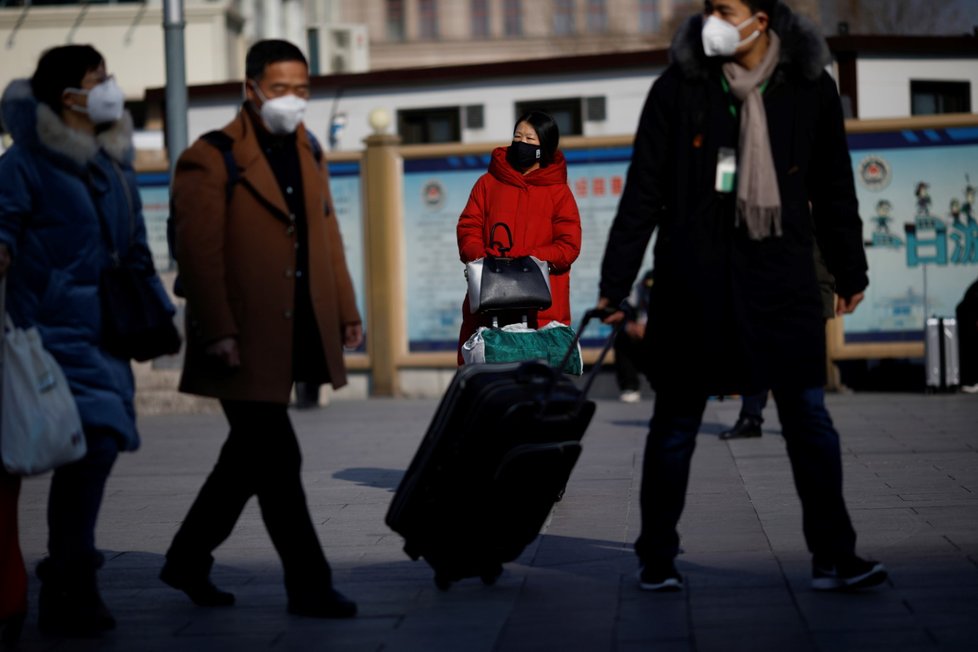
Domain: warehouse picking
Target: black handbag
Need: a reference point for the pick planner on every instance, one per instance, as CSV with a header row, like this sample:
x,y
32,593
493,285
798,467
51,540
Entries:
x,y
503,283
136,323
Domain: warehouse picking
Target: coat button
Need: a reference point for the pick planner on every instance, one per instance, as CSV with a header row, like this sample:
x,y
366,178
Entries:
x,y
287,314
289,231
288,273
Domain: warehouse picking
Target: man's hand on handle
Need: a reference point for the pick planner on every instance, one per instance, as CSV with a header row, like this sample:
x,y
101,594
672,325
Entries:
x,y
845,306
614,316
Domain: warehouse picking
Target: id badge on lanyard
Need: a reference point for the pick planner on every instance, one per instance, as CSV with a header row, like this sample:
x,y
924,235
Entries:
x,y
726,177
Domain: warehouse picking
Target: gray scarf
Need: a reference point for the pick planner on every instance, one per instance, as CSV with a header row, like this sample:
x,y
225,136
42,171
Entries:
x,y
758,199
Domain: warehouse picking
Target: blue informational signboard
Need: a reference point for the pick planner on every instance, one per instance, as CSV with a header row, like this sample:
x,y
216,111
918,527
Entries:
x,y
916,190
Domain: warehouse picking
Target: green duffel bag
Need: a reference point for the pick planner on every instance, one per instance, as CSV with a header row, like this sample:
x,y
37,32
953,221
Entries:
x,y
516,343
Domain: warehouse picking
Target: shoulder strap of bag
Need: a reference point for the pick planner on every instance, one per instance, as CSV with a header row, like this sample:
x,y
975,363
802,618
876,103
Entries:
x,y
223,143
317,149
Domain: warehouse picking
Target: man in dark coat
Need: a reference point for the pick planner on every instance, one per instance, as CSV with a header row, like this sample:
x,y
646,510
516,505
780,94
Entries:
x,y
741,161
269,302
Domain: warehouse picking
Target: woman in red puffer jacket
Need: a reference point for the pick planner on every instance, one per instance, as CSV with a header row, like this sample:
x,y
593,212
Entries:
x,y
525,189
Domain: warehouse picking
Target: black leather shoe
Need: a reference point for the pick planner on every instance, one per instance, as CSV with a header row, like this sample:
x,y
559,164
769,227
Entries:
x,y
331,605
744,428
199,589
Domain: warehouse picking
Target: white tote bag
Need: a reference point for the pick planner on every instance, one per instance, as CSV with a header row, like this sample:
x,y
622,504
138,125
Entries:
x,y
40,428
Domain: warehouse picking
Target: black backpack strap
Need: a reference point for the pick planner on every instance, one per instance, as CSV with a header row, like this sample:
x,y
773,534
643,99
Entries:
x,y
223,143
317,149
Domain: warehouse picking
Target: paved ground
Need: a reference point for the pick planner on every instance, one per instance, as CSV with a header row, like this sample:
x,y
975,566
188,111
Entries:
x,y
911,465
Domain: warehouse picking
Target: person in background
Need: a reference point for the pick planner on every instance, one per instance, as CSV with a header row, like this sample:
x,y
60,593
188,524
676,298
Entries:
x,y
628,342
269,303
752,407
69,170
967,319
741,162
525,189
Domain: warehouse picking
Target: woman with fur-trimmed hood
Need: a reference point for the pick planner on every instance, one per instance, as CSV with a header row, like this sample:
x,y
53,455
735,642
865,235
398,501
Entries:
x,y
741,162
70,163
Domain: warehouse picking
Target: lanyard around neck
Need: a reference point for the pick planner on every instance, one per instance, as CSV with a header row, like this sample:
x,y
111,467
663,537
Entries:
x,y
726,89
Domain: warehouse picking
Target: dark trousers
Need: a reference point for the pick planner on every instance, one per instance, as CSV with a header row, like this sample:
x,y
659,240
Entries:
x,y
752,407
13,575
813,448
74,502
260,458
627,351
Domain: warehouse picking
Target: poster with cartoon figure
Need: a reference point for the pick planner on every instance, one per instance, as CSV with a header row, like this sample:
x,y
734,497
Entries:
x,y
916,191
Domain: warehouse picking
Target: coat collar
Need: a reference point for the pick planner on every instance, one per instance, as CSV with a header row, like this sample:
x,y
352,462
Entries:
x,y
257,173
552,175
804,51
35,124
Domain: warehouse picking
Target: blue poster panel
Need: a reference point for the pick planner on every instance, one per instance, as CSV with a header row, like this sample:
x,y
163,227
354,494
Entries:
x,y
916,191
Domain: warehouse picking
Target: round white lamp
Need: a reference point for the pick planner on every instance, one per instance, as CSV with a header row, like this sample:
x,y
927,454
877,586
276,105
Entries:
x,y
380,120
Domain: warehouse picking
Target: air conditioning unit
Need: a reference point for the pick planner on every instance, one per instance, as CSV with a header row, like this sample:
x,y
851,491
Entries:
x,y
338,48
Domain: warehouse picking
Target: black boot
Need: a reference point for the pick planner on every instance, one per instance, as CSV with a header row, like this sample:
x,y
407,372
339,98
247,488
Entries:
x,y
10,629
745,427
195,582
69,603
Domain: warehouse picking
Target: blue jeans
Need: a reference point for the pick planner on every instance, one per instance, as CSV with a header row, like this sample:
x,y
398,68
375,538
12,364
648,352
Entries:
x,y
816,461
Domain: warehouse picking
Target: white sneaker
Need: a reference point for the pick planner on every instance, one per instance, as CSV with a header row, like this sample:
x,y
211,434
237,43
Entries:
x,y
630,396
967,389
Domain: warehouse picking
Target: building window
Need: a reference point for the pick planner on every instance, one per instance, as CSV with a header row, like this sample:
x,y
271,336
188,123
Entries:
x,y
648,16
563,17
565,111
930,97
395,20
428,15
437,125
480,18
512,18
597,16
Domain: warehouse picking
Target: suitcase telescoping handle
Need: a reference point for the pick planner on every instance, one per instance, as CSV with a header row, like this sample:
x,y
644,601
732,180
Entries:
x,y
594,313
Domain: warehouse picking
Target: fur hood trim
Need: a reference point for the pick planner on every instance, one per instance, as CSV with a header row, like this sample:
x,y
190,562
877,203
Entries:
x,y
803,49
33,123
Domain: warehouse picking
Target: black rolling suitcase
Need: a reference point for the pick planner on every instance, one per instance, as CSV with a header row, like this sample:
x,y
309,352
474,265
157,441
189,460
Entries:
x,y
495,459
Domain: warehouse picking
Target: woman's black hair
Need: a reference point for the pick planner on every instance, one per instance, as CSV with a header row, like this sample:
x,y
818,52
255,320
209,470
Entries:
x,y
547,132
60,68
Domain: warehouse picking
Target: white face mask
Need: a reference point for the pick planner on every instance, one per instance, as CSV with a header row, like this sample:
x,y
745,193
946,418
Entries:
x,y
281,115
106,101
721,39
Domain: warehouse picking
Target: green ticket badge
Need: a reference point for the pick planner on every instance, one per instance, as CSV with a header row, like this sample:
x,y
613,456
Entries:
x,y
726,170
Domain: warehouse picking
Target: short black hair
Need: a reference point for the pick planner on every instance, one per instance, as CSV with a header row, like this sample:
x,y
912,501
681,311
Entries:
x,y
60,68
264,53
547,132
767,6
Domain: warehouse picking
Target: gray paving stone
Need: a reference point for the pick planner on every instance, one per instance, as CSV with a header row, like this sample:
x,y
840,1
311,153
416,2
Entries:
x,y
911,473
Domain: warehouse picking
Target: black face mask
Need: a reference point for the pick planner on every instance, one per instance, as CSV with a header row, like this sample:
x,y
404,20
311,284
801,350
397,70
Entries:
x,y
523,155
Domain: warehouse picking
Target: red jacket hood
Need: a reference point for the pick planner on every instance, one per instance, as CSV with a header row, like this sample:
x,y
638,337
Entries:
x,y
552,175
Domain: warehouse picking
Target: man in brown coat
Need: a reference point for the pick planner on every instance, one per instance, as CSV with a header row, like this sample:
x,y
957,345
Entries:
x,y
269,303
